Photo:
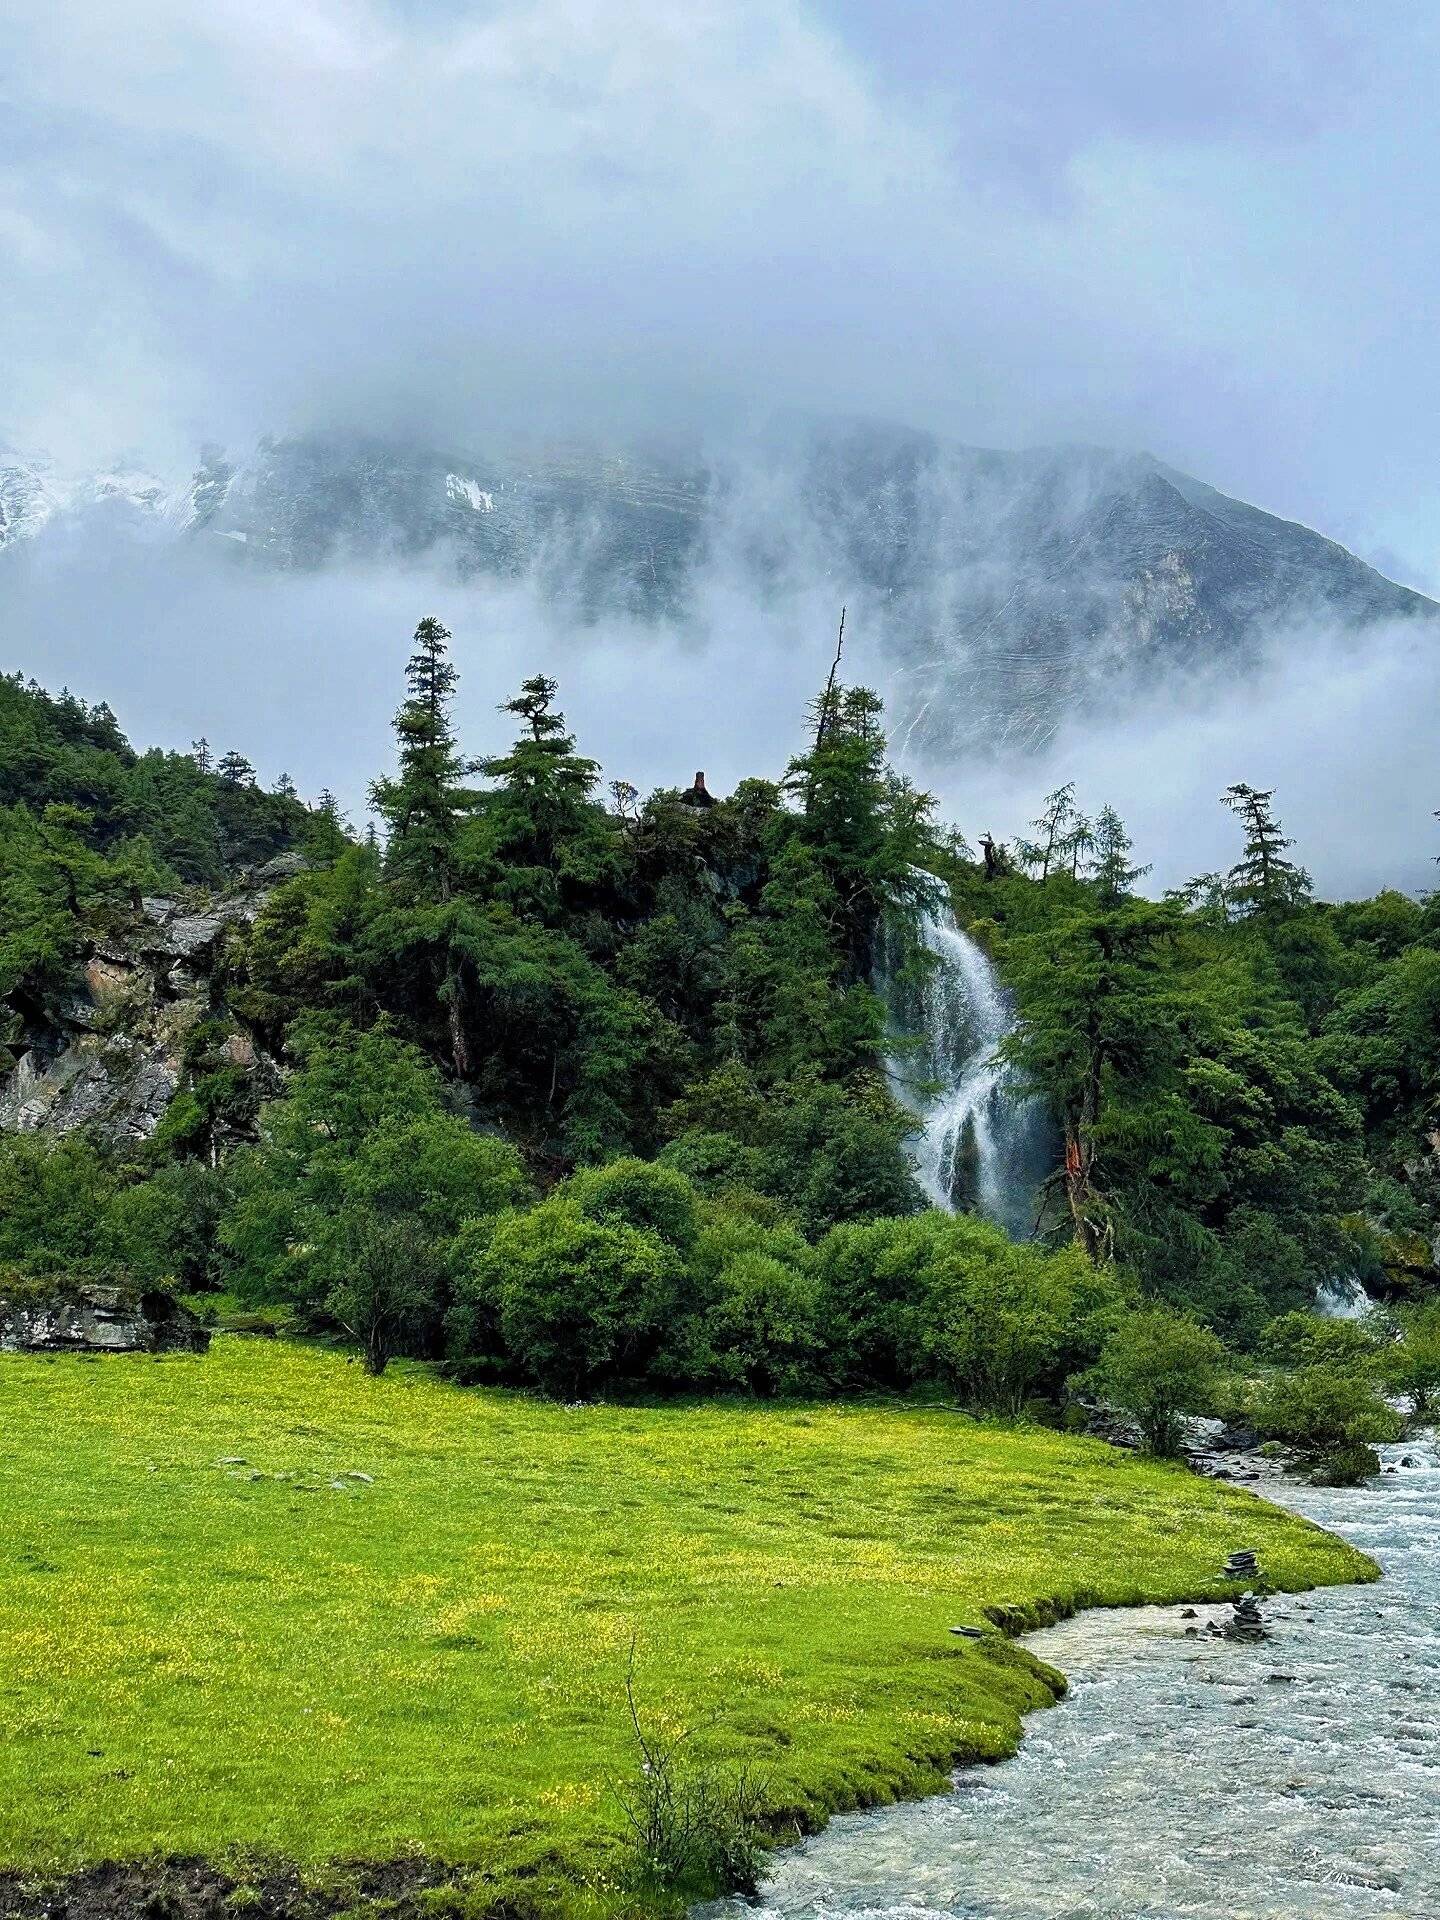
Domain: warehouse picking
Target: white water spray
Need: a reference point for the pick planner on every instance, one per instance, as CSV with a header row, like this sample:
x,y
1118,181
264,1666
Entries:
x,y
1343,1299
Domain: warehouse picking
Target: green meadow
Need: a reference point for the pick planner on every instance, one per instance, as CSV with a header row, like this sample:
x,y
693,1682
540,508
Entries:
x,y
261,1603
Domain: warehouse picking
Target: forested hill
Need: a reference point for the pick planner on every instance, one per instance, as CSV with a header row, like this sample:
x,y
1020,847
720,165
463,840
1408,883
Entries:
x,y
200,816
590,1088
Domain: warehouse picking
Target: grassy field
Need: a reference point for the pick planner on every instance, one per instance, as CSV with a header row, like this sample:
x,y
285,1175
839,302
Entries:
x,y
214,1632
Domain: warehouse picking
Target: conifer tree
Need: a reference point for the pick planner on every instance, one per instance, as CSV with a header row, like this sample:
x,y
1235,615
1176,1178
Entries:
x,y
1052,826
284,787
201,755
543,820
235,770
423,804
326,832
1110,867
1263,883
1080,843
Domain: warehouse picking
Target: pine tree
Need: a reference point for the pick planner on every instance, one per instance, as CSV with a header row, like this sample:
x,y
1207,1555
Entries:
x,y
284,787
1110,867
200,754
543,822
1263,884
235,770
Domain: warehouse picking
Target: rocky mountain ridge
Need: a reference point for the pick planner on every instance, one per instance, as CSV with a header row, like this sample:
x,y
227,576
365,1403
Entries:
x,y
1005,588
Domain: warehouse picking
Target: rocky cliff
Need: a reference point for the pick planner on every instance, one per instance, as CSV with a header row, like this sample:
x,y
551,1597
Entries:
x,y
146,1012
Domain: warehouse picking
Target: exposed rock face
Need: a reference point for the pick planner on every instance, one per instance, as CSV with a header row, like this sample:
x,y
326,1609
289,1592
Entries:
x,y
88,1318
112,1055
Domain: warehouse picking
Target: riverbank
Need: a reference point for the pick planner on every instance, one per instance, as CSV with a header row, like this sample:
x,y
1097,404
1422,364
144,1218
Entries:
x,y
257,1607
1291,1778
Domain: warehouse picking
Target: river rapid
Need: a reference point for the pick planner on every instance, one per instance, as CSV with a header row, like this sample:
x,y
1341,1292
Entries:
x,y
1295,1779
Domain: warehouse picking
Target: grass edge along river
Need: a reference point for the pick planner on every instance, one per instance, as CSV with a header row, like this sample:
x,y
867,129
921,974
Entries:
x,y
258,1606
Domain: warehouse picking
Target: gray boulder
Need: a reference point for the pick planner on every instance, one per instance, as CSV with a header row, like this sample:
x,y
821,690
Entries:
x,y
85,1317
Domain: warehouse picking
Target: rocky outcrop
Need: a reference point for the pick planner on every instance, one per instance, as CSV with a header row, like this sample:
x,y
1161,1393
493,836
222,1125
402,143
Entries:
x,y
84,1317
111,1055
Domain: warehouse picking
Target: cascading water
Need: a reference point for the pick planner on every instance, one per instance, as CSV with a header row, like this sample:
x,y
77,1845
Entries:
x,y
985,1145
1343,1299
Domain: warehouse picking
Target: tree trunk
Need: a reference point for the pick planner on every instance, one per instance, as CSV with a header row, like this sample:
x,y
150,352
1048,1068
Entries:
x,y
460,1058
1094,1234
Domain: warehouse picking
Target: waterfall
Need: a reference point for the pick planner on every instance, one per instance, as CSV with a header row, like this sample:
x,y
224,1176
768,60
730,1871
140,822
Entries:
x,y
1343,1299
984,1145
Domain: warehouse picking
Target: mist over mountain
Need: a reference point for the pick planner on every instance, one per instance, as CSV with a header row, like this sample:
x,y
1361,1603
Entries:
x,y
1001,594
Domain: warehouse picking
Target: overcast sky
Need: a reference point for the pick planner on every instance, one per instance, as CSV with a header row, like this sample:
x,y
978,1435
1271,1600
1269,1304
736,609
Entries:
x,y
1209,231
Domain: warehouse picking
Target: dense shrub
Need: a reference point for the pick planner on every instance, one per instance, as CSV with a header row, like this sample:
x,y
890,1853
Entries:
x,y
55,1201
1002,1322
872,1292
639,1193
1158,1365
1320,1409
1412,1364
1310,1339
950,1299
165,1228
577,1303
362,1138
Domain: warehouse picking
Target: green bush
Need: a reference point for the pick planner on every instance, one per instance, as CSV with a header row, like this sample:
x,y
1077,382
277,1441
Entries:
x,y
1158,1365
1310,1339
576,1303
760,1329
1412,1364
55,1198
165,1228
1002,1322
872,1279
387,1296
949,1299
1321,1409
1350,1465
715,1162
638,1193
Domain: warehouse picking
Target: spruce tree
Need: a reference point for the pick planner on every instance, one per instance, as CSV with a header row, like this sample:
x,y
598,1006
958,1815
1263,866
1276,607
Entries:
x,y
235,770
424,803
1263,884
543,822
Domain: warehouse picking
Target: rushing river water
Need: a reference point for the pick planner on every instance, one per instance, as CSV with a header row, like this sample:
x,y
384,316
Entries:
x,y
1296,1779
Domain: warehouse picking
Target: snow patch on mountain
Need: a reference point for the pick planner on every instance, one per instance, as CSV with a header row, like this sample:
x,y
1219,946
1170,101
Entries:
x,y
477,497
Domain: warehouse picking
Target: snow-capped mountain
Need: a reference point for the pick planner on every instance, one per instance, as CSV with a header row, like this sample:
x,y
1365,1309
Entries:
x,y
36,495
1004,589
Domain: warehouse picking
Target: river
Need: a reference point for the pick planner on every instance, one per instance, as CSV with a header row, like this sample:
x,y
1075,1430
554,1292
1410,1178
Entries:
x,y
1190,1778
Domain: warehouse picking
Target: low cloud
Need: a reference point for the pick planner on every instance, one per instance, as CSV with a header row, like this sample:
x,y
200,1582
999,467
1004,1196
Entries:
x,y
302,670
1341,725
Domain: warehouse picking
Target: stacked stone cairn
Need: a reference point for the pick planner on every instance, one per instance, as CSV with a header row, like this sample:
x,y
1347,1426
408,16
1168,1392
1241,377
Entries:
x,y
1245,1622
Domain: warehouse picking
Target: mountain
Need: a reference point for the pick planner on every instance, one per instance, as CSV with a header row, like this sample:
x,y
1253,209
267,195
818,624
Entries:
x,y
1005,589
